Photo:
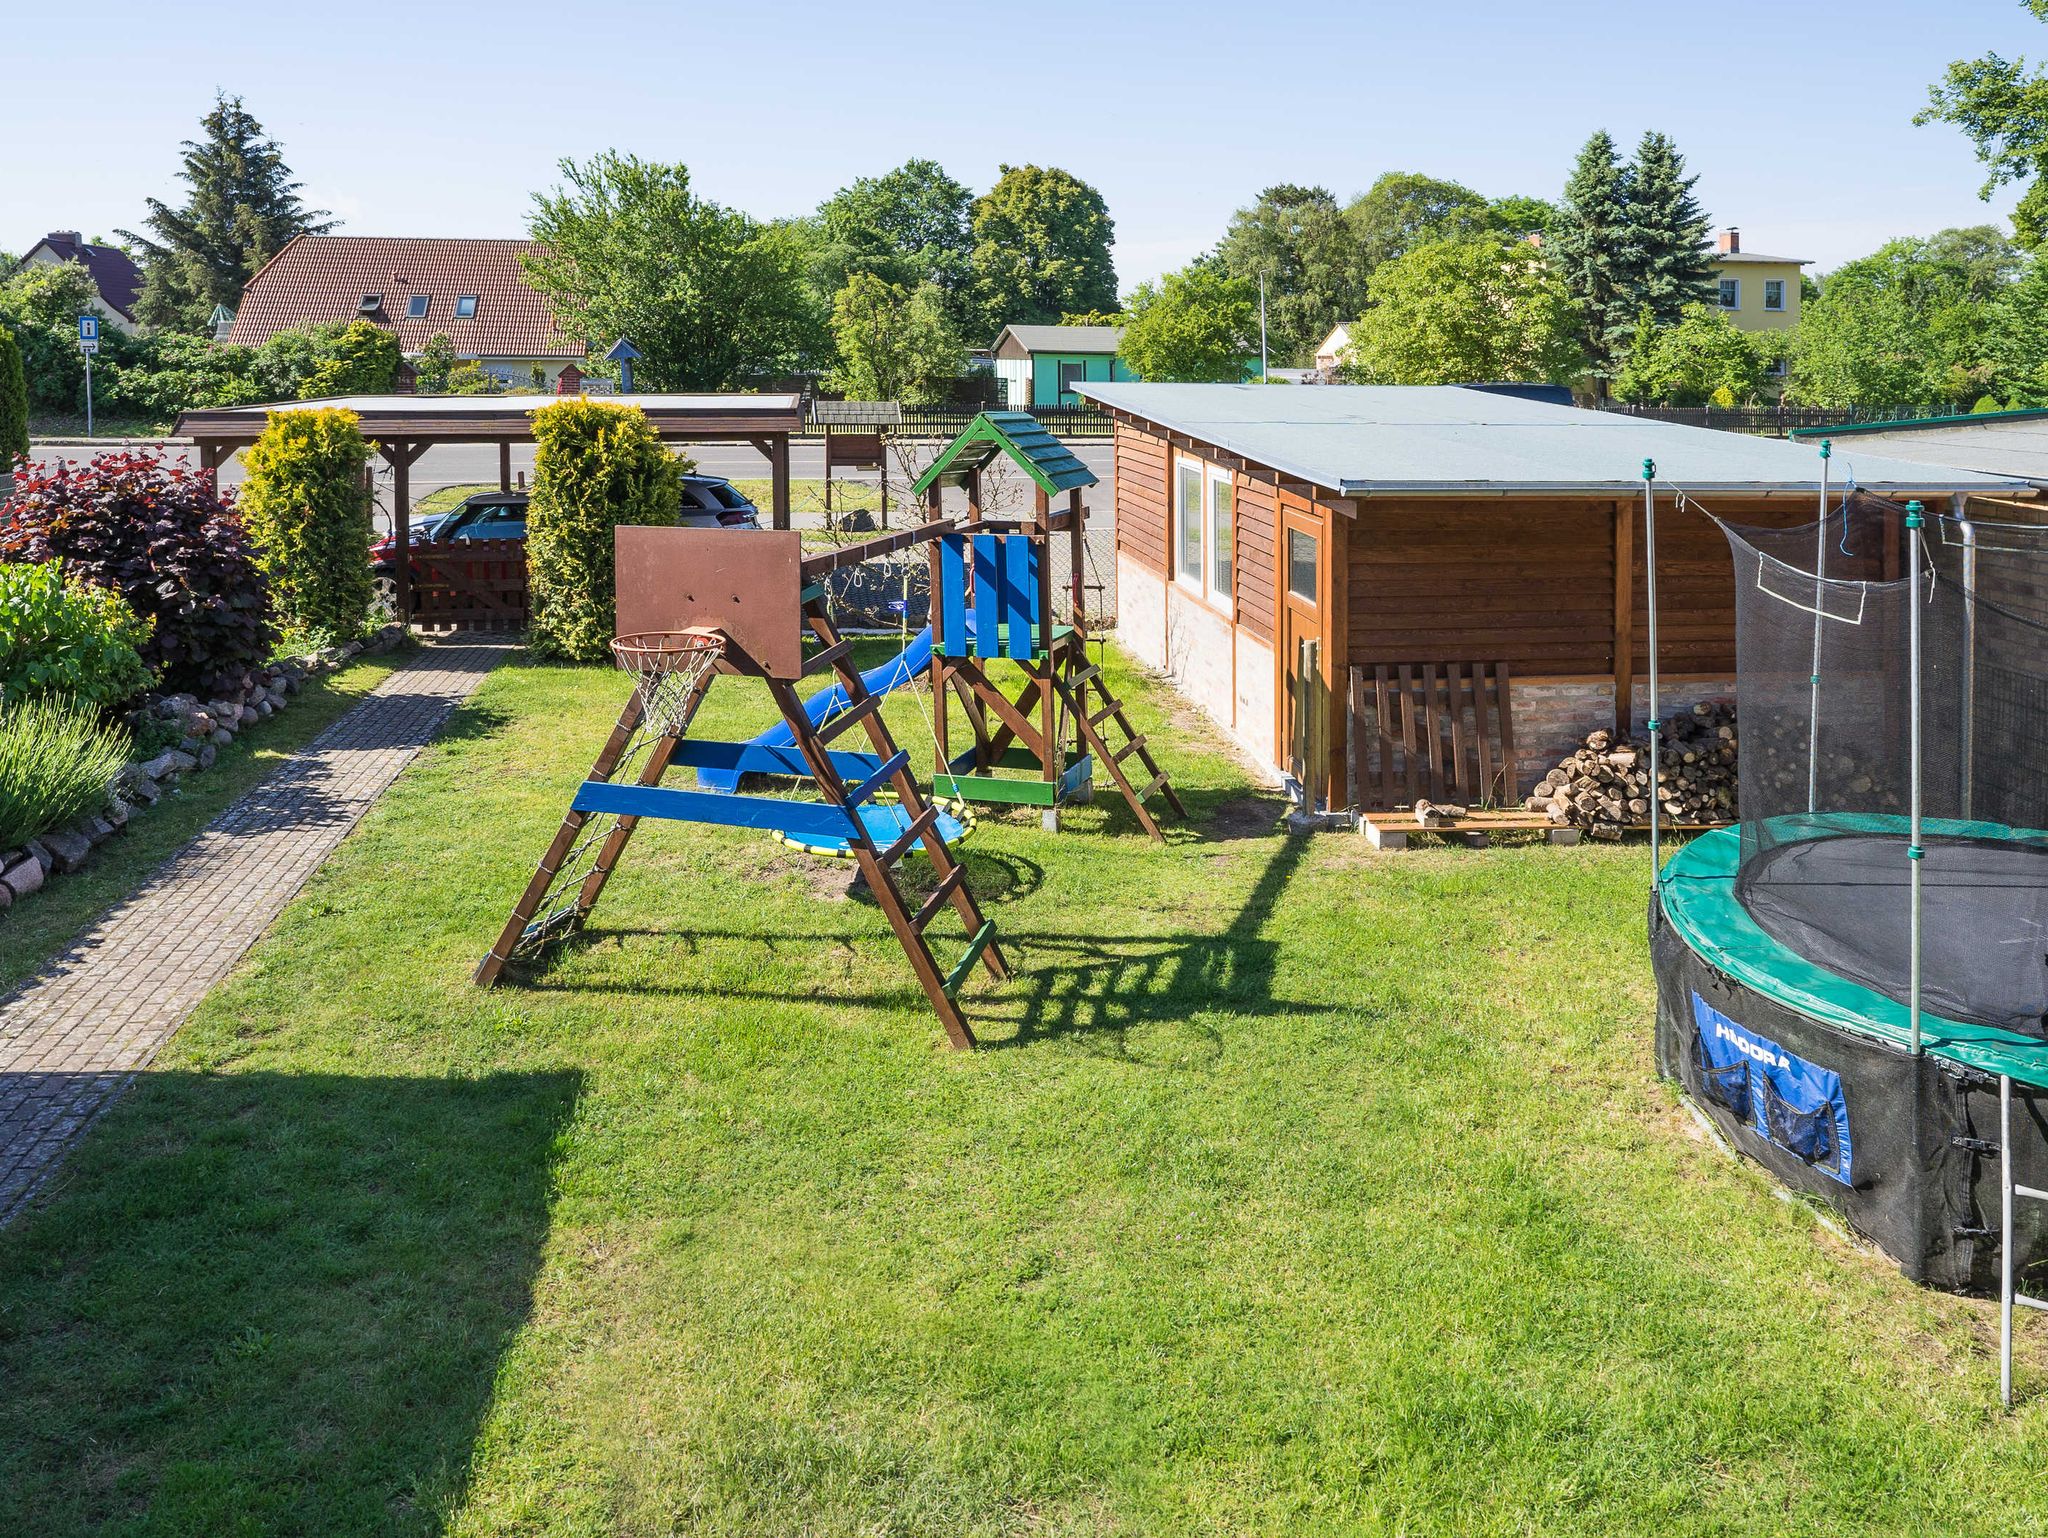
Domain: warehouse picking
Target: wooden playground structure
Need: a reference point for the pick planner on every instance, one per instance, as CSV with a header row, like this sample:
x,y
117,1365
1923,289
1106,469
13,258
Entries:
x,y
694,604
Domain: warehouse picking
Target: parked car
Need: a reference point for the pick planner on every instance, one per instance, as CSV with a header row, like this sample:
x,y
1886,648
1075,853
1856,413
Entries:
x,y
708,502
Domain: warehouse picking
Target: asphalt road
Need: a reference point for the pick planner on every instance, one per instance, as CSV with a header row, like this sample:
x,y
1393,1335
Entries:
x,y
458,464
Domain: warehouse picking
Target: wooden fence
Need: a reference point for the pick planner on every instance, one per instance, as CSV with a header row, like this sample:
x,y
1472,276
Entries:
x,y
470,584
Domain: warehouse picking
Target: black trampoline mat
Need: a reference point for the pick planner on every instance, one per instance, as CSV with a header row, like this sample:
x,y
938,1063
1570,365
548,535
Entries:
x,y
1844,903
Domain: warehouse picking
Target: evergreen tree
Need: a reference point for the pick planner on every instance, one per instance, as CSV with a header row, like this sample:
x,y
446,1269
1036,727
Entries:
x,y
1673,268
242,208
1591,247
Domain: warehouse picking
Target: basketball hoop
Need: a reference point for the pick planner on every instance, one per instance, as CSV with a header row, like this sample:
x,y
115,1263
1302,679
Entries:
x,y
669,669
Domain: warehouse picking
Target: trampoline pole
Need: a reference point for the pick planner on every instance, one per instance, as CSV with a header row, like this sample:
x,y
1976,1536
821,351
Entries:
x,y
1650,592
1961,508
2005,1239
1914,521
1820,566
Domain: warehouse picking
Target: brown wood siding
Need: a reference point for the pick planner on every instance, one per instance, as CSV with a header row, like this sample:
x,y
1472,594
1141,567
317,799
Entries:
x,y
1696,582
1255,569
1141,461
1526,583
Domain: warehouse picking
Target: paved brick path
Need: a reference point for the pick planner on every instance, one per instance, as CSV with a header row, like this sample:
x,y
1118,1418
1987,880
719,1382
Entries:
x,y
72,1035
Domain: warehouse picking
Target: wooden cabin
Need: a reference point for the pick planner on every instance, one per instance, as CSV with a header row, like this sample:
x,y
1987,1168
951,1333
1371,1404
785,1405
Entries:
x,y
1277,548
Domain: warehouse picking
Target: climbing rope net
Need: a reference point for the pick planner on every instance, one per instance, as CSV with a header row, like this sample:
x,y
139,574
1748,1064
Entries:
x,y
671,672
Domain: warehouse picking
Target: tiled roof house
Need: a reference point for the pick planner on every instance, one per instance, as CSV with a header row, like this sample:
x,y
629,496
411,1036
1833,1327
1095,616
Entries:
x,y
471,291
113,271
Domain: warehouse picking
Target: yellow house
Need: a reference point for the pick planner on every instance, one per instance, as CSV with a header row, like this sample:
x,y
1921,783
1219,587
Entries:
x,y
1758,293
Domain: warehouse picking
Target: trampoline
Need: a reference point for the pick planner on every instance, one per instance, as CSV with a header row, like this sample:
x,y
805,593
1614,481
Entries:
x,y
1853,981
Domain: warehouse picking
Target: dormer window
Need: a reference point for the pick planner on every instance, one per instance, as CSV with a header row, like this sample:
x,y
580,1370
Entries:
x,y
416,306
371,304
465,307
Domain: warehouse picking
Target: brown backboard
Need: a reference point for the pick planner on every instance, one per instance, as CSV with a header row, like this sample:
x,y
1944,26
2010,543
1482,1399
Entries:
x,y
858,451
745,582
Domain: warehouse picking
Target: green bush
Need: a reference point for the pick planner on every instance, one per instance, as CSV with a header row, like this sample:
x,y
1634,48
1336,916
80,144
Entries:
x,y
13,400
69,638
58,760
596,466
307,506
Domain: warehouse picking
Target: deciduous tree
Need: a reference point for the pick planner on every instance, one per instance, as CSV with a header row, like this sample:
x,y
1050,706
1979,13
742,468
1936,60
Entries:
x,y
1041,249
241,208
708,295
2001,106
1703,360
894,344
1308,252
1197,325
1404,210
1457,311
909,227
1896,328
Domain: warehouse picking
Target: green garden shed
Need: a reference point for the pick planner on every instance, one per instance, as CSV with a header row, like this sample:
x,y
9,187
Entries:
x,y
1040,365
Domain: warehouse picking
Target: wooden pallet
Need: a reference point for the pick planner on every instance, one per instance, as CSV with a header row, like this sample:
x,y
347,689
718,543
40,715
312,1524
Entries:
x,y
1391,830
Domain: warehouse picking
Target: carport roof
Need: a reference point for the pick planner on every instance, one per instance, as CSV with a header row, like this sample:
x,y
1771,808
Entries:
x,y
1436,440
497,418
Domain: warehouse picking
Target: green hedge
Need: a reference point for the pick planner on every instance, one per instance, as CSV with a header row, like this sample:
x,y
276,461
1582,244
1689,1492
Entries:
x,y
13,400
597,466
68,638
306,503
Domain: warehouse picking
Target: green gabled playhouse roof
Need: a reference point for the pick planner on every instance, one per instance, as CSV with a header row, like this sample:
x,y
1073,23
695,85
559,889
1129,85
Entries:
x,y
1018,434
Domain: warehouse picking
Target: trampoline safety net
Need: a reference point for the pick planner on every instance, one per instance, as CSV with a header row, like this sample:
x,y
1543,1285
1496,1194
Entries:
x,y
1825,701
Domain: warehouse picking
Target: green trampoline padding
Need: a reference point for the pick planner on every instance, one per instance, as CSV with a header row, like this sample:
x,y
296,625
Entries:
x,y
1698,888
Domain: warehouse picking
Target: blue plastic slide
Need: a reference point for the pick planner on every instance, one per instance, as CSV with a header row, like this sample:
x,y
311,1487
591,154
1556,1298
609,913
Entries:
x,y
900,670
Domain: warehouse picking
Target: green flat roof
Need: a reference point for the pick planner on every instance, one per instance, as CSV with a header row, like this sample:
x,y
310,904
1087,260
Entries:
x,y
1018,434
1697,885
1900,424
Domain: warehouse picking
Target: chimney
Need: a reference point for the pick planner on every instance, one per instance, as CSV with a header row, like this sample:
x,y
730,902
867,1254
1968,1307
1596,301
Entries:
x,y
1730,243
60,237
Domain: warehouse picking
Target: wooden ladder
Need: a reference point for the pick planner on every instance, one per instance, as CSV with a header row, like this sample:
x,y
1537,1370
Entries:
x,y
878,865
1076,682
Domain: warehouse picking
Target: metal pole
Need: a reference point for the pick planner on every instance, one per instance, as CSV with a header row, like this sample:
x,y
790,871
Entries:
x,y
1820,564
1262,326
1969,753
88,395
2005,1239
1914,852
1650,591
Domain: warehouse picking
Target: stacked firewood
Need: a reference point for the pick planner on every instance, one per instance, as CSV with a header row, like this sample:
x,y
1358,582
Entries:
x,y
1603,785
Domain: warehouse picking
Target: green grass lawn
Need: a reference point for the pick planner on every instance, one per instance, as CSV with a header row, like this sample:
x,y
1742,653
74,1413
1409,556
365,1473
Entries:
x,y
1296,1190
40,927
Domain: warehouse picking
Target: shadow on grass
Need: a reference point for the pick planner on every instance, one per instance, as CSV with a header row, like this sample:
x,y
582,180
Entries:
x,y
1063,983
259,1303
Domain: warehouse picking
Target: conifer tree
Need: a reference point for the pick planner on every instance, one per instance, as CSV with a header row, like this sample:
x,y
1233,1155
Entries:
x,y
13,403
1672,266
1592,248
243,207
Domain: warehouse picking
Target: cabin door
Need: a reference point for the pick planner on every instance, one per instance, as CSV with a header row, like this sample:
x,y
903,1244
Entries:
x,y
1305,663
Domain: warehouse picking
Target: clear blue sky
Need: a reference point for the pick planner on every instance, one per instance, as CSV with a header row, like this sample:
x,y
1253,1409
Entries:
x,y
427,119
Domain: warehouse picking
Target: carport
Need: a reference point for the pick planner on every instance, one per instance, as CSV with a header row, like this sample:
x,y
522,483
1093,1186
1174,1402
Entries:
x,y
405,426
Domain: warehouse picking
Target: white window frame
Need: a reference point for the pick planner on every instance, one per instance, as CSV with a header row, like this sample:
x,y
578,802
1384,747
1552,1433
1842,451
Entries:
x,y
1201,582
1730,287
1779,284
1212,537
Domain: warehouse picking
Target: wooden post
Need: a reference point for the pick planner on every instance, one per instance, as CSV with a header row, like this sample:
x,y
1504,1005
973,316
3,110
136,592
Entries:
x,y
882,475
401,527
778,473
933,504
505,465
1076,557
1624,619
1048,723
974,495
400,457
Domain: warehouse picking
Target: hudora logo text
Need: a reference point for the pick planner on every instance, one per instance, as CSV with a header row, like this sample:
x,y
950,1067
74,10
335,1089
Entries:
x,y
1750,1047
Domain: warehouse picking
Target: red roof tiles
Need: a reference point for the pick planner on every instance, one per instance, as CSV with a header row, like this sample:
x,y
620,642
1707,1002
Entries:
x,y
317,279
